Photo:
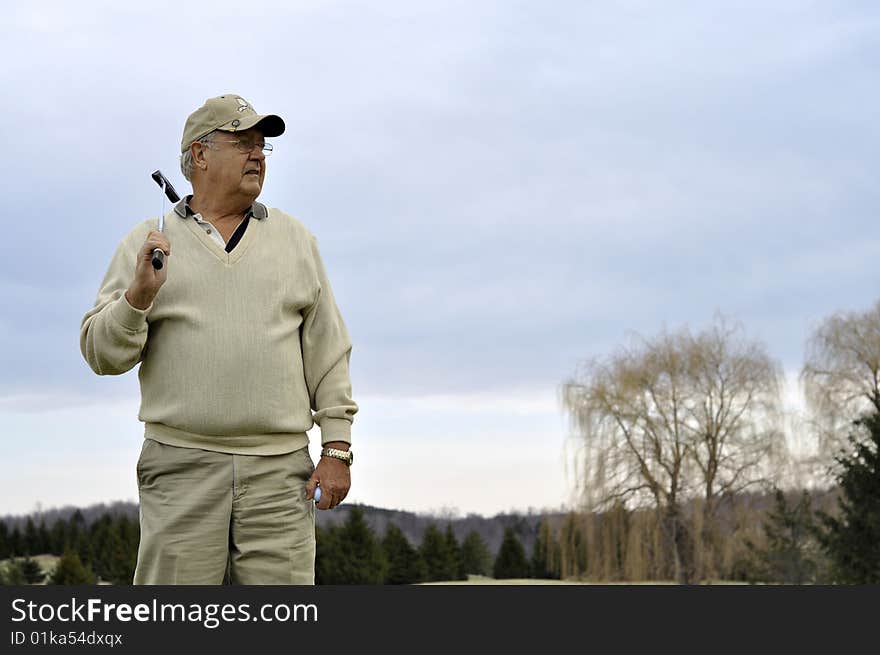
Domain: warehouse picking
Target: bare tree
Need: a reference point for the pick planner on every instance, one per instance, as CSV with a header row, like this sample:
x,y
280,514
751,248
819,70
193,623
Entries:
x,y
737,435
630,412
841,375
673,419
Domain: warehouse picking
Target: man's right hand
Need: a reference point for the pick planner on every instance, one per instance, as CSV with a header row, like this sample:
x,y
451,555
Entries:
x,y
147,280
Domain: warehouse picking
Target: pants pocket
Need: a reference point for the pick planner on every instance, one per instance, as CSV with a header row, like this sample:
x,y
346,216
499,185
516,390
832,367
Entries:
x,y
146,447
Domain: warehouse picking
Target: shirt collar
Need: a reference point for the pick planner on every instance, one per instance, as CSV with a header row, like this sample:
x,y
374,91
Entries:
x,y
257,210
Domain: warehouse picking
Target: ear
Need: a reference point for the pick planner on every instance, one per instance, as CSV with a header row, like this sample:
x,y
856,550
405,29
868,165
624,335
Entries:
x,y
199,155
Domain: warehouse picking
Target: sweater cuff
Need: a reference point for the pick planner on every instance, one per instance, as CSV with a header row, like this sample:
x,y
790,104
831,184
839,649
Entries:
x,y
129,317
335,429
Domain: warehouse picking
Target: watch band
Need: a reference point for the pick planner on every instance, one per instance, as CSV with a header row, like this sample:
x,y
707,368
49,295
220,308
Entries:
x,y
345,455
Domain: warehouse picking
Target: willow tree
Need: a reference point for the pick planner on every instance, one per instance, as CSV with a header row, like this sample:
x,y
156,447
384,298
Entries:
x,y
734,420
674,419
841,375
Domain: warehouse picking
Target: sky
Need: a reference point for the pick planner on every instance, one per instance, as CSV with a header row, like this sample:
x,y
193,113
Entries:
x,y
500,190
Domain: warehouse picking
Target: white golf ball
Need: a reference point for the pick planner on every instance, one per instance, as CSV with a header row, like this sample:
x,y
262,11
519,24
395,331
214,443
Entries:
x,y
317,494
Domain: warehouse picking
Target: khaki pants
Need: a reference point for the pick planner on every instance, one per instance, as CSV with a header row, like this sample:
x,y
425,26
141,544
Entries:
x,y
209,517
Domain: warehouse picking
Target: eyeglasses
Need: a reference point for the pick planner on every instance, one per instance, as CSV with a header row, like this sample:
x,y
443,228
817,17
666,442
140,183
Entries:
x,y
246,146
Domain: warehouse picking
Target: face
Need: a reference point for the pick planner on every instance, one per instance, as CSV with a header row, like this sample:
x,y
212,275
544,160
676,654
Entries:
x,y
232,172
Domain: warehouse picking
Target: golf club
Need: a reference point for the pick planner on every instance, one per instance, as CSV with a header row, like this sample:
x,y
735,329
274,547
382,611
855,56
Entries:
x,y
162,181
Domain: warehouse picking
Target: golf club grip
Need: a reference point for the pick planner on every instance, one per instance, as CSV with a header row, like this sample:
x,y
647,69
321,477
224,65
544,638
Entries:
x,y
158,258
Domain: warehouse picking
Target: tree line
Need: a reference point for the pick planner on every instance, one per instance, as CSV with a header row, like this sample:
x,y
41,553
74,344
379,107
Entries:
x,y
105,551
793,538
351,553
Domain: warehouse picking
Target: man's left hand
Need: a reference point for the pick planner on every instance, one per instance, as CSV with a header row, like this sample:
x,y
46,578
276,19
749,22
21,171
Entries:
x,y
334,477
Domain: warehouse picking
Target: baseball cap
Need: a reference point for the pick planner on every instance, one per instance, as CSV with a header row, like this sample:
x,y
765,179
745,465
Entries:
x,y
229,113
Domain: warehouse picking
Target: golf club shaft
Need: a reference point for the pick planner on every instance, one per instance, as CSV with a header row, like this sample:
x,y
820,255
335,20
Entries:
x,y
158,255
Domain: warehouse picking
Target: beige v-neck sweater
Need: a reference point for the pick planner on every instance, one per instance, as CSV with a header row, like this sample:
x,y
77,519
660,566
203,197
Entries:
x,y
238,348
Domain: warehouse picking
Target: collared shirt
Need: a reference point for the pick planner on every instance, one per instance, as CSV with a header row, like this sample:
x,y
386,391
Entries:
x,y
257,210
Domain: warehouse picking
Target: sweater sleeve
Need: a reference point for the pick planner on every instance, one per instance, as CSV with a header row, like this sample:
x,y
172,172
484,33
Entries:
x,y
326,350
113,333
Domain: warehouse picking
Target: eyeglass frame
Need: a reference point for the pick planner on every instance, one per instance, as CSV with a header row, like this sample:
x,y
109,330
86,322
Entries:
x,y
263,148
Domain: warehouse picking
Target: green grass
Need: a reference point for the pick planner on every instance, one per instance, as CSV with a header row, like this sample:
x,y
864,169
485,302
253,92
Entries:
x,y
483,580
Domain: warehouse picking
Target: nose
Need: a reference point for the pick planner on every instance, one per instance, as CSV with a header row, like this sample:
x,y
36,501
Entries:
x,y
257,153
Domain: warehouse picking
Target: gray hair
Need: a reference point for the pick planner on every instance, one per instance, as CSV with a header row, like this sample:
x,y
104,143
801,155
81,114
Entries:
x,y
186,162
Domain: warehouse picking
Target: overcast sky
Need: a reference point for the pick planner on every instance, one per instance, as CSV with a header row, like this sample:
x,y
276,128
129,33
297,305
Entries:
x,y
499,190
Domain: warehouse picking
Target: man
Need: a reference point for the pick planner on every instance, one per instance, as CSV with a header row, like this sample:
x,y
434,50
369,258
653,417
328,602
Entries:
x,y
239,338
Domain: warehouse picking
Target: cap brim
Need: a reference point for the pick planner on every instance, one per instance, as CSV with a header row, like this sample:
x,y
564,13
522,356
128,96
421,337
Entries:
x,y
270,125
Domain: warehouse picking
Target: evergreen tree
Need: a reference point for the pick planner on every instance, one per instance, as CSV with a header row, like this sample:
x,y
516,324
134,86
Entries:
x,y
852,539
545,554
405,565
435,552
475,555
328,556
453,552
31,570
58,537
362,561
790,553
16,542
89,540
123,559
4,541
511,560
31,538
43,537
77,523
102,542
78,537
71,571
115,556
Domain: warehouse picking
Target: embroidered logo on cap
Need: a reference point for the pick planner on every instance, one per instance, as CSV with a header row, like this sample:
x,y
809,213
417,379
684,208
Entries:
x,y
242,104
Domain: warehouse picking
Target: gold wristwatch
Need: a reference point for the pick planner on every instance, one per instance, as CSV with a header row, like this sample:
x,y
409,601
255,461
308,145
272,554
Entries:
x,y
345,455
